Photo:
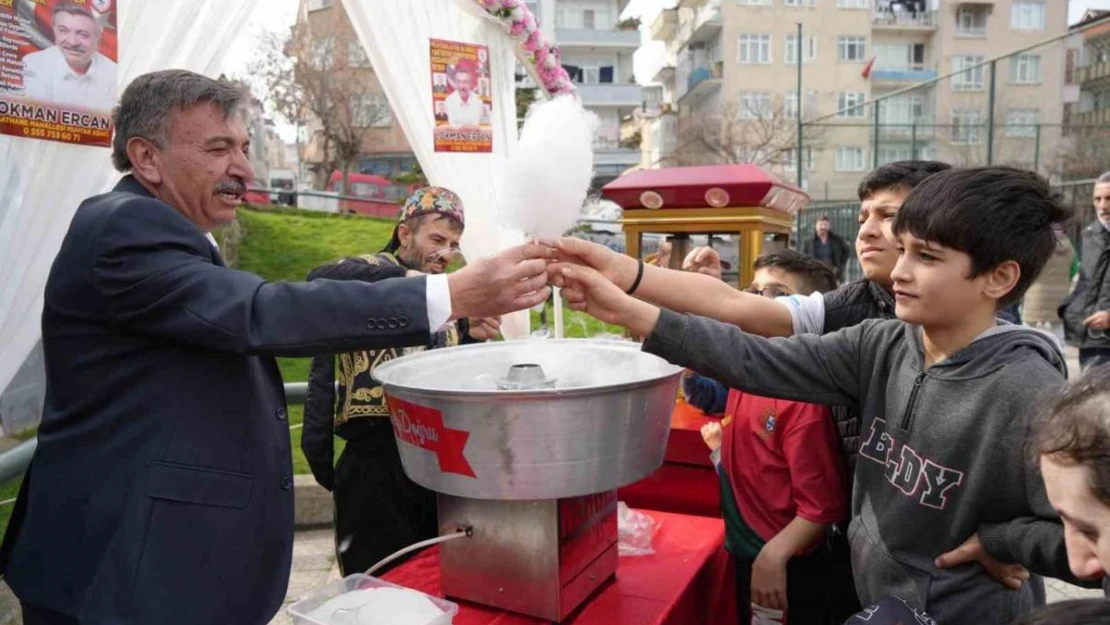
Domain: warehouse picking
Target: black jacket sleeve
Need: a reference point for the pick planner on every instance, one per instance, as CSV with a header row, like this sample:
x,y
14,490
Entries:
x,y
317,440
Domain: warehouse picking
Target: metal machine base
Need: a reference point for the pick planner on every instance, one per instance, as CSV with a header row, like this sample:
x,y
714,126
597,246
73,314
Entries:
x,y
541,558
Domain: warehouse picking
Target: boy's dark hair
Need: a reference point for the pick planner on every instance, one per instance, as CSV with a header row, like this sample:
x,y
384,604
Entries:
x,y
815,276
1075,429
993,214
1071,612
899,175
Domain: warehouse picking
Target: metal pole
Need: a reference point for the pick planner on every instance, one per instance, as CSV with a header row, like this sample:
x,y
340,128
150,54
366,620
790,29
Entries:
x,y
990,114
913,141
875,139
799,157
1037,150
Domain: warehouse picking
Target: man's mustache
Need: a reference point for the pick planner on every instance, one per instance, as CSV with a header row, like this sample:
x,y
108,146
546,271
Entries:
x,y
77,48
234,186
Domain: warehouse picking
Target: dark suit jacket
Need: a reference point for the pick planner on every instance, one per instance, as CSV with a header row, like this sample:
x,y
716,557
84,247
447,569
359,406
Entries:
x,y
161,490
841,252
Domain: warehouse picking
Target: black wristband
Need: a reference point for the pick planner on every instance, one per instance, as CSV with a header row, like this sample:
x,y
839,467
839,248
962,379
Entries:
x,y
639,276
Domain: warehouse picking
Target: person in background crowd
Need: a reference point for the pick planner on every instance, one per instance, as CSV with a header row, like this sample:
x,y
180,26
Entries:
x,y
1071,443
378,509
1042,302
782,481
828,247
1086,312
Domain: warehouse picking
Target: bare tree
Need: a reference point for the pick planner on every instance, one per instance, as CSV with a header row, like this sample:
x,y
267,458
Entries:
x,y
321,78
741,133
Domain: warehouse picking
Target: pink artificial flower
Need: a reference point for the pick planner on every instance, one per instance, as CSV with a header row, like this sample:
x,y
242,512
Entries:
x,y
533,41
516,30
529,21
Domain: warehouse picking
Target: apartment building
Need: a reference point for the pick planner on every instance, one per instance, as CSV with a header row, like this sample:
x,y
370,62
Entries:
x,y
334,44
1087,97
734,62
597,49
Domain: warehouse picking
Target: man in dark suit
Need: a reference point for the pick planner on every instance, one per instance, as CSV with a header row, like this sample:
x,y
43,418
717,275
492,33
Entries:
x,y
161,489
828,247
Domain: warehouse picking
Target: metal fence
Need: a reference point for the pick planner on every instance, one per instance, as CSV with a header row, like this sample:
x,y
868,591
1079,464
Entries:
x,y
844,217
947,96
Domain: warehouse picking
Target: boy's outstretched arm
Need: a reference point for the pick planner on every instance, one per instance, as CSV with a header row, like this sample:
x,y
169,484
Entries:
x,y
682,291
817,369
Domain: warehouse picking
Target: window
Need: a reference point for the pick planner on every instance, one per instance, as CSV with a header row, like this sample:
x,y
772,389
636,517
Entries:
x,y
371,110
753,49
971,21
853,4
900,56
972,77
1027,15
902,110
1021,123
799,3
850,104
1025,69
790,106
965,126
850,159
588,19
754,105
790,160
891,154
591,75
809,49
316,5
853,49
754,2
322,53
356,56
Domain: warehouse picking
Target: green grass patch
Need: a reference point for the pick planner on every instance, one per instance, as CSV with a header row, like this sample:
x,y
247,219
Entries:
x,y
8,492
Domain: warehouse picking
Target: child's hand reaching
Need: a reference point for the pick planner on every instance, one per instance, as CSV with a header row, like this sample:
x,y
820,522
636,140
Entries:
x,y
588,291
1011,576
711,434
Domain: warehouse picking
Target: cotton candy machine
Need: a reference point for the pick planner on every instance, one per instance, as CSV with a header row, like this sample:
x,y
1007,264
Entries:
x,y
526,443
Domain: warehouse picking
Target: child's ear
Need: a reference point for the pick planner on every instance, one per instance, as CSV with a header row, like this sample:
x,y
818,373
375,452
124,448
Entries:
x,y
1001,280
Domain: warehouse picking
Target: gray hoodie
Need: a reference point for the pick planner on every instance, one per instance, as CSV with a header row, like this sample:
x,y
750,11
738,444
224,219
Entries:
x,y
942,453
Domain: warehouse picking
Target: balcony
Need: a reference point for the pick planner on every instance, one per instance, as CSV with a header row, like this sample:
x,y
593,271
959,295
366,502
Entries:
x,y
690,4
665,73
901,130
611,95
902,75
971,32
703,80
1092,118
664,25
705,26
612,39
904,21
1094,71
611,153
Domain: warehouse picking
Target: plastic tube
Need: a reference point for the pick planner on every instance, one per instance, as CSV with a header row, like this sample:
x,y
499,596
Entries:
x,y
420,545
558,314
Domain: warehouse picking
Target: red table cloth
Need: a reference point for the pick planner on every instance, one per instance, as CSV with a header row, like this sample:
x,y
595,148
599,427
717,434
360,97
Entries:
x,y
686,483
688,581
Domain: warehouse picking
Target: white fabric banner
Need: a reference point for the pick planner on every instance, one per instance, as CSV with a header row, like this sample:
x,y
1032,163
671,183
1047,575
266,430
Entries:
x,y
396,36
43,182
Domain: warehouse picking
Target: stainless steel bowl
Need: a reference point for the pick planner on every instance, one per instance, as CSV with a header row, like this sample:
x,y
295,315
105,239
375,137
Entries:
x,y
465,428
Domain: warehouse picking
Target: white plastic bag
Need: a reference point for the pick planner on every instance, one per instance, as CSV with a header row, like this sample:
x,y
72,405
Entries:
x,y
767,616
634,531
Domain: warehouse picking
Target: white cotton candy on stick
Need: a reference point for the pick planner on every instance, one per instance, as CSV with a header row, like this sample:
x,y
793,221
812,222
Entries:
x,y
549,175
550,170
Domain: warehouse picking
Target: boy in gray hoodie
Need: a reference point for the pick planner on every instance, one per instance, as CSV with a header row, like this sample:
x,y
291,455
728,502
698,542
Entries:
x,y
944,393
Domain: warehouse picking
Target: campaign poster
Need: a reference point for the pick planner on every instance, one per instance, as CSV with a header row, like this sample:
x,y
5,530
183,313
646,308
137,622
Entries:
x,y
58,76
461,97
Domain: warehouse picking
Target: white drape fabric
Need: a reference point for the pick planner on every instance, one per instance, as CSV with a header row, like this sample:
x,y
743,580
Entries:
x,y
395,35
43,182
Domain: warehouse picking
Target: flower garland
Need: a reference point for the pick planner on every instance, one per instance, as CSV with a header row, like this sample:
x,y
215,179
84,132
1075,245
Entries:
x,y
518,21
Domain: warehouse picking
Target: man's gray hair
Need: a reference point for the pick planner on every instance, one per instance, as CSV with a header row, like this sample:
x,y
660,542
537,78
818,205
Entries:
x,y
1104,178
74,8
146,105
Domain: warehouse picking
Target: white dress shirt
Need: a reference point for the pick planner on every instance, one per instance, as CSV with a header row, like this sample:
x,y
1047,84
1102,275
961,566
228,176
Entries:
x,y
48,78
461,113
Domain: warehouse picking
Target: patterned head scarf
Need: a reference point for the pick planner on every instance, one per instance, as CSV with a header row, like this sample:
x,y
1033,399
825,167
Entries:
x,y
427,201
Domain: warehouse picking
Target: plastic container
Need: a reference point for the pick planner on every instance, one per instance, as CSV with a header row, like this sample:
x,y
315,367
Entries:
x,y
300,610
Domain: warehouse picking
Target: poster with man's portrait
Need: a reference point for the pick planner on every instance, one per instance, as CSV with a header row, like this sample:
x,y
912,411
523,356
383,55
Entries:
x,y
461,99
58,74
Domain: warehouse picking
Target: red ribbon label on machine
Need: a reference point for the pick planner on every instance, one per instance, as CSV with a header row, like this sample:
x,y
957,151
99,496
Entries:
x,y
423,427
